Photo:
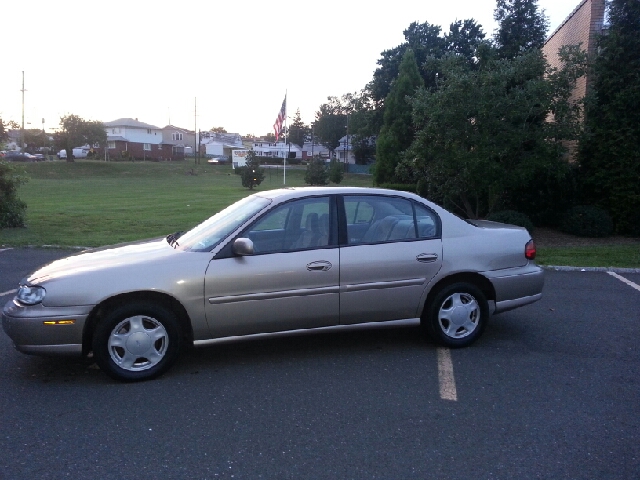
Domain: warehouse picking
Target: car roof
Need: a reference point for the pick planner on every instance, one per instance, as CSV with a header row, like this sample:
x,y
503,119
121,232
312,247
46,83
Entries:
x,y
287,193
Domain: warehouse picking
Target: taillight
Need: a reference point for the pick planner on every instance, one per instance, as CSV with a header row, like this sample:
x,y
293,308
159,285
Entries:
x,y
530,250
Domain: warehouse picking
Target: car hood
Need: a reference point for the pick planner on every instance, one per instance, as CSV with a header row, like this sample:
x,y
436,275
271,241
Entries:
x,y
104,258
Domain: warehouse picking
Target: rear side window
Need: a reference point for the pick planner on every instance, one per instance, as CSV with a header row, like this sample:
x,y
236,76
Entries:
x,y
377,219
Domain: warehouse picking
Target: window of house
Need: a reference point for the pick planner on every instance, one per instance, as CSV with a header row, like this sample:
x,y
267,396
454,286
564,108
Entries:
x,y
147,146
111,145
176,136
148,130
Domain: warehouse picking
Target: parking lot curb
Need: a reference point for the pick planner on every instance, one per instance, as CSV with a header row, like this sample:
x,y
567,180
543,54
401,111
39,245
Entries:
x,y
590,269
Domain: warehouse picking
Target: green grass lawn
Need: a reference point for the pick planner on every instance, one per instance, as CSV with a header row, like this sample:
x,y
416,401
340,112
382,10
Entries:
x,y
94,203
591,256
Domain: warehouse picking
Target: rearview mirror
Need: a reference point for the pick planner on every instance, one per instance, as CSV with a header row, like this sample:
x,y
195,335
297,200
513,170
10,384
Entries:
x,y
243,246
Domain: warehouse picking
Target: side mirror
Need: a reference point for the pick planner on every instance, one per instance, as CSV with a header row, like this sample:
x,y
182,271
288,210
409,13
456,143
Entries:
x,y
242,246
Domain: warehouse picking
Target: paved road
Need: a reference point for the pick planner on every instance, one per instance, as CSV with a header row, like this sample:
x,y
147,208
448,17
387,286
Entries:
x,y
551,391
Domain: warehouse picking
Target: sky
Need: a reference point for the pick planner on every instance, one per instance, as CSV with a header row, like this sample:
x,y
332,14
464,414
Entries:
x,y
199,65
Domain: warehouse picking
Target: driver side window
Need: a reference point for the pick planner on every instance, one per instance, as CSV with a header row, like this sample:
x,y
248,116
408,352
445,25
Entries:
x,y
295,225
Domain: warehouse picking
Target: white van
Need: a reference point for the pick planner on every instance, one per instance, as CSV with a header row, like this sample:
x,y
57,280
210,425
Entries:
x,y
78,152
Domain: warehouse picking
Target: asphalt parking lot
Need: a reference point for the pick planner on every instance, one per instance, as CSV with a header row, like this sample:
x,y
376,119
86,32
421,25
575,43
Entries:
x,y
550,391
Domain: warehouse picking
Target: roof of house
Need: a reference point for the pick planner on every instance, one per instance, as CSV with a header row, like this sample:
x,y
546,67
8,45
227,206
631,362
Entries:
x,y
129,122
180,129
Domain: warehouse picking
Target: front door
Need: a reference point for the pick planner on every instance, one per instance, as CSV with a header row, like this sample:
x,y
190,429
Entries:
x,y
291,281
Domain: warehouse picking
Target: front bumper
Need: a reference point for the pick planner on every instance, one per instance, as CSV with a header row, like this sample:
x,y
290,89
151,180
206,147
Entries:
x,y
41,330
516,287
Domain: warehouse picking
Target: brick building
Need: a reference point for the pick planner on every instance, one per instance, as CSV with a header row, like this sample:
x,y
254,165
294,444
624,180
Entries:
x,y
583,26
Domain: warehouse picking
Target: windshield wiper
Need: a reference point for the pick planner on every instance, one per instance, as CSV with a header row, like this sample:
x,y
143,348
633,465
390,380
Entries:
x,y
172,239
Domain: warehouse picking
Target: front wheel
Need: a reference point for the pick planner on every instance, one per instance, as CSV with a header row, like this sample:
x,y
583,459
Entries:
x,y
457,315
137,341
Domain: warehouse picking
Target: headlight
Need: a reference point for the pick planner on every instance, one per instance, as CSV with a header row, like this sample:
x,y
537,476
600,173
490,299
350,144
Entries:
x,y
30,295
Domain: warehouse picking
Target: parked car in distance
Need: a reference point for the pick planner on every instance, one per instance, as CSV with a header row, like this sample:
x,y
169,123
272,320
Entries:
x,y
78,152
14,156
217,161
288,259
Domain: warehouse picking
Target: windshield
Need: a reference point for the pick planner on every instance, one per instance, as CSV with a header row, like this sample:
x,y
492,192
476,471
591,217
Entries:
x,y
212,231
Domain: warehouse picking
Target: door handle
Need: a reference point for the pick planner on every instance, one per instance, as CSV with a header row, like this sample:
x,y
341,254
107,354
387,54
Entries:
x,y
427,257
320,266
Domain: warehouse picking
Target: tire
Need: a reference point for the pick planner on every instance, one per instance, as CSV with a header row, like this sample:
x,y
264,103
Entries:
x,y
457,315
137,341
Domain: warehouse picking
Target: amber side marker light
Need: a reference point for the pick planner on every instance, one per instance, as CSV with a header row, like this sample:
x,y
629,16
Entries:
x,y
59,322
530,250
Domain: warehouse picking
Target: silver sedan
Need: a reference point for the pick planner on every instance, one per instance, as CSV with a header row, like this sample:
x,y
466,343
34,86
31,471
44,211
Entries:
x,y
295,258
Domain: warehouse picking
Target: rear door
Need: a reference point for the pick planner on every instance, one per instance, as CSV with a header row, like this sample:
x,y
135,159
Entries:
x,y
391,248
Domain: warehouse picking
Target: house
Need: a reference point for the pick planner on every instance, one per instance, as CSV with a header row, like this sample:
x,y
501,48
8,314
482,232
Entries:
x,y
220,145
277,150
130,138
344,151
315,149
182,141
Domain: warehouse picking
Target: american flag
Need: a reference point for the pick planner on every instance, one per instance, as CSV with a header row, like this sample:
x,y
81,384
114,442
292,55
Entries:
x,y
277,127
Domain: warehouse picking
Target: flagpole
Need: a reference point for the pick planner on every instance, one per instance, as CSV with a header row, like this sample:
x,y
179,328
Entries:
x,y
284,163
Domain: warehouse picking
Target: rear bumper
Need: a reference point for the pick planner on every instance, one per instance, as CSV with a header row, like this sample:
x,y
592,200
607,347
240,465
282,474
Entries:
x,y
516,287
43,330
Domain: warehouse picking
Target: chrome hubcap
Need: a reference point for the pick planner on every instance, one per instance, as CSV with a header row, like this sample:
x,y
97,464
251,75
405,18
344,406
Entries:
x,y
138,343
459,315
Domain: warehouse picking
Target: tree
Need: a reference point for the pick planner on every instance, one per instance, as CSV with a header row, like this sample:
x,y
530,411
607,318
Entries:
x,y
252,174
482,136
336,171
298,131
397,133
12,209
331,123
316,173
425,41
4,135
76,132
218,130
464,39
609,155
35,138
522,27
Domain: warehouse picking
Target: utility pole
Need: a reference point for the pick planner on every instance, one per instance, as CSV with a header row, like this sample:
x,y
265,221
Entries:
x,y
22,127
195,130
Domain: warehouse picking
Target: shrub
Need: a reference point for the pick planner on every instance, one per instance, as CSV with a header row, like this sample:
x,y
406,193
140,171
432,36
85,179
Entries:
x,y
12,209
403,187
252,175
336,171
587,221
512,218
316,173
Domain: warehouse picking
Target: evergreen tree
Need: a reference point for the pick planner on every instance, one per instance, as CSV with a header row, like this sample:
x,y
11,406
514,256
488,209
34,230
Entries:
x,y
522,27
298,131
252,174
316,173
610,153
397,131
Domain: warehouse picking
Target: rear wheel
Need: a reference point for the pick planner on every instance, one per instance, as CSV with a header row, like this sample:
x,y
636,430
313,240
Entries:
x,y
457,315
137,341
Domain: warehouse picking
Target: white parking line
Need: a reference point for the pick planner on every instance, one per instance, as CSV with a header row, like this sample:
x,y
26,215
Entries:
x,y
622,279
445,375
5,249
8,292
